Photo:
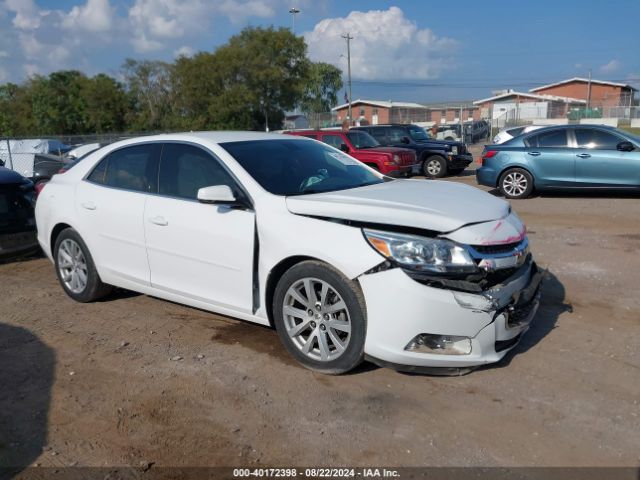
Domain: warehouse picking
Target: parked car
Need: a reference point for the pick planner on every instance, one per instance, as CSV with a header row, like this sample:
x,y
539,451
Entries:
x,y
345,262
38,167
82,150
509,133
436,158
476,131
17,221
449,133
392,161
562,157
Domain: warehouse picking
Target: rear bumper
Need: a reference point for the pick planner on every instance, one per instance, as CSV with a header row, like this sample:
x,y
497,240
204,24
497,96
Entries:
x,y
16,244
487,176
420,309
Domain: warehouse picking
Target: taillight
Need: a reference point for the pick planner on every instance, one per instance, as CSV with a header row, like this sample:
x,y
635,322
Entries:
x,y
485,155
38,187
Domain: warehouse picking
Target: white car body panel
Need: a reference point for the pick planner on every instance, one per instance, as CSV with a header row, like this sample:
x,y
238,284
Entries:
x,y
217,265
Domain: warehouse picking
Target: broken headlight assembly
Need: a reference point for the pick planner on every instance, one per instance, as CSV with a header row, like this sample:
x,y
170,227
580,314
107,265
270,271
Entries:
x,y
424,254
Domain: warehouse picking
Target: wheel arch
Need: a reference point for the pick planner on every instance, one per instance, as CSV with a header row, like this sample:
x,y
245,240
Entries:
x,y
511,167
55,232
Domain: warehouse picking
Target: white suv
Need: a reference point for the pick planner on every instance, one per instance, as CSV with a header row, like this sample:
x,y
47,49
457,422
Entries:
x,y
346,263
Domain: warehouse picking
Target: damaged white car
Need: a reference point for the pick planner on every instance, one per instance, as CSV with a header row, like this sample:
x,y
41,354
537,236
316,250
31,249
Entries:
x,y
345,263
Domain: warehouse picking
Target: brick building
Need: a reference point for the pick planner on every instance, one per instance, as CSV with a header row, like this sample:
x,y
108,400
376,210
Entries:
x,y
603,93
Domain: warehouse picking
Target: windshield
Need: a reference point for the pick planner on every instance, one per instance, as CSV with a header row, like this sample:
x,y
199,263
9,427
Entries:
x,y
299,167
362,140
418,134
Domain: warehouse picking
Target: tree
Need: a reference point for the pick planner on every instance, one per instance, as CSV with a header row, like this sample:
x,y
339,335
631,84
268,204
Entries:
x,y
105,105
262,73
321,92
148,84
58,103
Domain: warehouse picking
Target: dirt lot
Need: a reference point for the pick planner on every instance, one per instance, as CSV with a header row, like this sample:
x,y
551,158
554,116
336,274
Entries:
x,y
100,384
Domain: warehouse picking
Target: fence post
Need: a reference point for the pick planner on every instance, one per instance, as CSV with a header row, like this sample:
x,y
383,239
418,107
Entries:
x,y
9,153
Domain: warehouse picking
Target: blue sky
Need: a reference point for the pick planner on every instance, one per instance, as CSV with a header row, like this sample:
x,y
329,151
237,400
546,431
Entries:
x,y
423,51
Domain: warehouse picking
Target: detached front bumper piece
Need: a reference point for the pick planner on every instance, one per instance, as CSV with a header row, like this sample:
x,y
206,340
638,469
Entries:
x,y
418,328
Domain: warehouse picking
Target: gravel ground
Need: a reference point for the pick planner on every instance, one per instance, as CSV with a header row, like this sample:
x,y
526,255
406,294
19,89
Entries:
x,y
134,380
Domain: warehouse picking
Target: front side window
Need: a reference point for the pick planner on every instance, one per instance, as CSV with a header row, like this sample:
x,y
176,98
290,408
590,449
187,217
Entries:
x,y
130,168
362,139
299,167
596,139
380,134
185,169
554,138
333,140
418,134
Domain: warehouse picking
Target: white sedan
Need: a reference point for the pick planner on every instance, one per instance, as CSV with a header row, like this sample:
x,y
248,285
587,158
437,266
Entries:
x,y
344,262
512,132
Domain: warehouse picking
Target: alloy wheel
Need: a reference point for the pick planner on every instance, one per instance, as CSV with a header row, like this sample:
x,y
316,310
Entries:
x,y
434,167
316,319
514,184
72,266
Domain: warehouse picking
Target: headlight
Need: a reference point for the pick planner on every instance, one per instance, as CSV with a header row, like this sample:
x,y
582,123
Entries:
x,y
454,149
434,255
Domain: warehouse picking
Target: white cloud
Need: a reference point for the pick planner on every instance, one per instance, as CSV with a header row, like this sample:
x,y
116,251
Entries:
x,y
27,14
94,16
237,11
610,67
4,54
184,51
386,45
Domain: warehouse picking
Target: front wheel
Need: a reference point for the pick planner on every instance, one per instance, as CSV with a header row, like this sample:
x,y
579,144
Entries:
x,y
320,317
434,167
75,268
516,183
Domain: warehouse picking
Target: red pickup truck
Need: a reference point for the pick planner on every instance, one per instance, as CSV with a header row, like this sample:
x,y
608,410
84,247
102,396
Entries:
x,y
392,161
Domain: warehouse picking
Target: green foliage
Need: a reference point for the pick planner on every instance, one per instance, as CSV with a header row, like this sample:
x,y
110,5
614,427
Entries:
x,y
246,84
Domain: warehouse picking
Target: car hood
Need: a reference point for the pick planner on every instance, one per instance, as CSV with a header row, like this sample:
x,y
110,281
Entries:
x,y
438,206
439,143
9,177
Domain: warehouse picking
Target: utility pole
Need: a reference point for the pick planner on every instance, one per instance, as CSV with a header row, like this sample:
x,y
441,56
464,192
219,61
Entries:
x,y
293,11
348,38
589,93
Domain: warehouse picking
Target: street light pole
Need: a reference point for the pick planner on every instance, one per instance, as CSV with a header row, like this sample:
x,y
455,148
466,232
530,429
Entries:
x,y
348,38
293,11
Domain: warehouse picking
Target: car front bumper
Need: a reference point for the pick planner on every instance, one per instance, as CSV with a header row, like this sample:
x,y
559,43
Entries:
x,y
400,308
459,161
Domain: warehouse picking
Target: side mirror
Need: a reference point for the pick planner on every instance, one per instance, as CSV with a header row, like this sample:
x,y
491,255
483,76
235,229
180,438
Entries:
x,y
625,146
344,147
216,194
405,140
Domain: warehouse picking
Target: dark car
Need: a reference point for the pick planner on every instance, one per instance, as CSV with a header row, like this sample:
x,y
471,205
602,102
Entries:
x,y
395,162
17,222
476,131
436,158
562,157
45,166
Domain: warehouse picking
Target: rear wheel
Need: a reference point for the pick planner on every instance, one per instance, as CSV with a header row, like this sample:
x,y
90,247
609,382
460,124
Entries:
x,y
75,268
434,167
320,317
516,183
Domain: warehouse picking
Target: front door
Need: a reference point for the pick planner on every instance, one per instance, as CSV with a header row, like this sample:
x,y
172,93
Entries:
x,y
552,161
599,163
201,251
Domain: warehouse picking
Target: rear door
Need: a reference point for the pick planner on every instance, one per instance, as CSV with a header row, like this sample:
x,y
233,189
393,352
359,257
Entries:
x,y
201,251
110,204
550,158
380,134
599,163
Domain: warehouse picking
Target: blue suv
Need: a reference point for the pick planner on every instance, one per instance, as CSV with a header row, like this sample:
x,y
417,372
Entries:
x,y
562,157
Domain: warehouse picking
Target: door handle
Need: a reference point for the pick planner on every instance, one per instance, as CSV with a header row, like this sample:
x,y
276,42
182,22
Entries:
x,y
534,154
88,205
583,155
159,221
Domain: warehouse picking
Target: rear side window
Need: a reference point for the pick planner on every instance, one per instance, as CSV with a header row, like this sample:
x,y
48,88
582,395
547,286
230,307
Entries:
x,y
396,135
333,140
514,132
131,168
596,139
184,169
380,134
555,138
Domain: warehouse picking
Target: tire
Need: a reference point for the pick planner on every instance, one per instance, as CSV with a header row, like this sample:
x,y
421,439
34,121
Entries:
x,y
79,263
319,334
516,183
434,167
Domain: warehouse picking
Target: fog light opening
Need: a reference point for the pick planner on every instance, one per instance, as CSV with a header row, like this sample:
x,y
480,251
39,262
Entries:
x,y
440,344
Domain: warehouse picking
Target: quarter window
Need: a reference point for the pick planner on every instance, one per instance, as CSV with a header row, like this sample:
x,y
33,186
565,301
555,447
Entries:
x,y
184,169
596,139
131,168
